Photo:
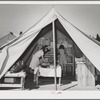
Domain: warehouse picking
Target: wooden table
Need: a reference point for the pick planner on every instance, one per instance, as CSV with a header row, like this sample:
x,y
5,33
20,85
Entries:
x,y
50,72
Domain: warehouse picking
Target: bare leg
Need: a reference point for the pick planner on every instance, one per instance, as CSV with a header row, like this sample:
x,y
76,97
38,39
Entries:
x,y
34,79
65,68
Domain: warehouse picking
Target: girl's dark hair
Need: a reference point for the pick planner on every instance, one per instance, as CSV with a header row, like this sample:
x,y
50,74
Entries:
x,y
43,48
61,47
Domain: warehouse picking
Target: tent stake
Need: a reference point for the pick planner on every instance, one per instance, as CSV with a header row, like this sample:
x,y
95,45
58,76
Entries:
x,y
54,49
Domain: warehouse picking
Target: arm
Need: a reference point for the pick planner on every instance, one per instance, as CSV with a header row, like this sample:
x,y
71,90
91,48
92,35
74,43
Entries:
x,y
43,59
45,63
65,52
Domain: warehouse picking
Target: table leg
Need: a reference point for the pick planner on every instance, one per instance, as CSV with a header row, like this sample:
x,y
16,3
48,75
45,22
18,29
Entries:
x,y
37,80
59,80
22,83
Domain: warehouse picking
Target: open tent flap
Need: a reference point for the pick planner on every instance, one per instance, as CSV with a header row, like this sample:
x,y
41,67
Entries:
x,y
87,46
3,55
16,49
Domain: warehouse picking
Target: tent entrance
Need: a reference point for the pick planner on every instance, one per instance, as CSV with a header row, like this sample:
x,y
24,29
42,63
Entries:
x,y
45,37
62,37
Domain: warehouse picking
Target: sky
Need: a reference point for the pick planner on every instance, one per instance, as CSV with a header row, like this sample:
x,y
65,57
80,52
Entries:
x,y
20,17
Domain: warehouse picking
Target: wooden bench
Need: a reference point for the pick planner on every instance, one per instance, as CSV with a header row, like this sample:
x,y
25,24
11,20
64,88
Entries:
x,y
21,75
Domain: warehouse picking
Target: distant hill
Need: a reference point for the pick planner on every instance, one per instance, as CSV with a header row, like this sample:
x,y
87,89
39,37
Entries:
x,y
6,39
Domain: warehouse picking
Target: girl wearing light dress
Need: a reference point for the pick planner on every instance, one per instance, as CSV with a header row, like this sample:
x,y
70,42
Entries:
x,y
62,58
35,61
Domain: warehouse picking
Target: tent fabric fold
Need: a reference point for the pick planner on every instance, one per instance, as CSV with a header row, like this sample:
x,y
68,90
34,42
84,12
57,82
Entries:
x,y
13,51
16,49
90,49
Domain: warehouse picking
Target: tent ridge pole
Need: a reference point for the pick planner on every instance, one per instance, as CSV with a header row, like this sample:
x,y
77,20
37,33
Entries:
x,y
54,49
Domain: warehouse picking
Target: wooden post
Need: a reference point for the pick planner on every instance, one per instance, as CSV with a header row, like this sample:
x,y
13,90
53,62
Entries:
x,y
54,48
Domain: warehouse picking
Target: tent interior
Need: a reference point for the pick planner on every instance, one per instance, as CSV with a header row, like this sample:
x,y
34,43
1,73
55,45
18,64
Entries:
x,y
45,37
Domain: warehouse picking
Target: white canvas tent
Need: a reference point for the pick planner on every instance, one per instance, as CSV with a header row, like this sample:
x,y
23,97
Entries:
x,y
12,52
